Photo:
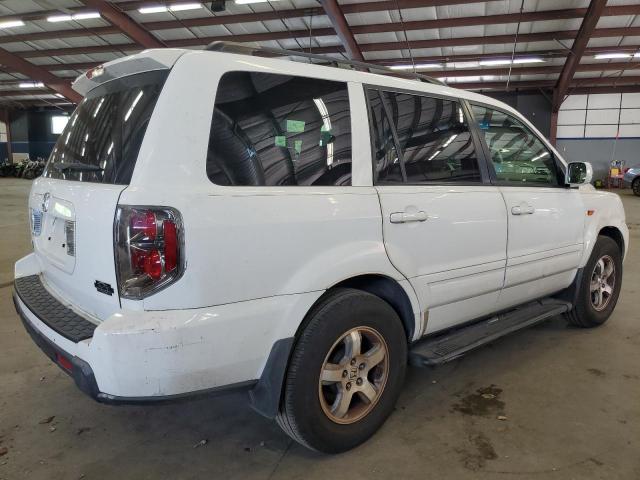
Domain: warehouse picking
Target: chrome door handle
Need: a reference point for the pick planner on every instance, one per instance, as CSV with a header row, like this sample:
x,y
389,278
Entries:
x,y
522,209
406,217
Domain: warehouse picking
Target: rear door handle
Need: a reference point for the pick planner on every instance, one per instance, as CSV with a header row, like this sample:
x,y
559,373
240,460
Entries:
x,y
406,217
522,209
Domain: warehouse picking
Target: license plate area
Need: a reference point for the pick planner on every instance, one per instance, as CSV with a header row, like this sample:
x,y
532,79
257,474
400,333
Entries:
x,y
57,240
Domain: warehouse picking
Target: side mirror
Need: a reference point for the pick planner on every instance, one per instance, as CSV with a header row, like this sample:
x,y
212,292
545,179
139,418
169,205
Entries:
x,y
578,173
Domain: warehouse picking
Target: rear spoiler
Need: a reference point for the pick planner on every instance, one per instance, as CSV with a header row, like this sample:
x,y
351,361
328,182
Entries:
x,y
145,61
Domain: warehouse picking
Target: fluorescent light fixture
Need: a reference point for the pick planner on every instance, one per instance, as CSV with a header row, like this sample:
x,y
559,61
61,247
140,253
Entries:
x,y
85,15
178,7
154,9
247,2
77,16
604,56
59,18
31,85
12,23
463,64
468,79
418,66
507,61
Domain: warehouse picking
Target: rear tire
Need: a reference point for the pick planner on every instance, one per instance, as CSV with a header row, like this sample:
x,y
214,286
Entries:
x,y
635,186
600,285
352,332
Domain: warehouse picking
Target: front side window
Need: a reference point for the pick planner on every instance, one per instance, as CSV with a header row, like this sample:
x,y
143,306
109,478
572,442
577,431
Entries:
x,y
518,156
420,139
275,130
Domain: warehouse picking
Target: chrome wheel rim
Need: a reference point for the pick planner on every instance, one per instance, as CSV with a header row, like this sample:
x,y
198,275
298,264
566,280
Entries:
x,y
603,282
353,375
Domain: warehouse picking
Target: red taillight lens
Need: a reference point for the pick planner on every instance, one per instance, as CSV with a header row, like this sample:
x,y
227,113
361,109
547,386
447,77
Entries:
x,y
143,226
626,169
148,249
153,264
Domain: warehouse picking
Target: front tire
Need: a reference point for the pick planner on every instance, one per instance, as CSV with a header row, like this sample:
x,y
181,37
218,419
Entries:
x,y
635,186
600,285
345,373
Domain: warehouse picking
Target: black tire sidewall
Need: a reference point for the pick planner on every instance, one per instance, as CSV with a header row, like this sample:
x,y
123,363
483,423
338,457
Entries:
x,y
588,314
635,186
350,309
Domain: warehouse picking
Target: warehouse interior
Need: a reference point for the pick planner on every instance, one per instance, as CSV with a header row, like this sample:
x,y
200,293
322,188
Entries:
x,y
551,402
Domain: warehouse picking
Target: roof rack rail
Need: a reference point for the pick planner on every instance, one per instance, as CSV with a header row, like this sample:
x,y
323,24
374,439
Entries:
x,y
241,49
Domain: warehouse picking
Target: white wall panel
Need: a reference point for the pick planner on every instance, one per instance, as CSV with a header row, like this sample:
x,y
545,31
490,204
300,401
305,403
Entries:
x,y
631,100
630,115
571,117
630,131
602,117
601,131
574,102
604,100
570,131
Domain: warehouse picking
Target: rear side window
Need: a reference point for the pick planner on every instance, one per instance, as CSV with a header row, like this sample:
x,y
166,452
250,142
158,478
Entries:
x,y
420,139
103,136
269,129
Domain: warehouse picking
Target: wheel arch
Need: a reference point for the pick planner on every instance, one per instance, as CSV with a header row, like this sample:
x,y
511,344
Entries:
x,y
615,234
265,397
388,290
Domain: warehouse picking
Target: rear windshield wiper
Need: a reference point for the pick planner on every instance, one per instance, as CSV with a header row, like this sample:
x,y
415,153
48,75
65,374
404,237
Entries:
x,y
77,167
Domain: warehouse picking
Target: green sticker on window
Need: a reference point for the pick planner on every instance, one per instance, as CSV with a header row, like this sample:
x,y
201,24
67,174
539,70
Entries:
x,y
297,146
281,141
295,126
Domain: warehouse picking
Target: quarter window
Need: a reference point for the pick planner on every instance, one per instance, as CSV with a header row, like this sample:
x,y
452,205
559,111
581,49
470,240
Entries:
x,y
420,139
271,129
516,152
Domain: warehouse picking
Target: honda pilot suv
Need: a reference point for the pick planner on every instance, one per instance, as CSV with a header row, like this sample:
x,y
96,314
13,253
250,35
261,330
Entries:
x,y
212,221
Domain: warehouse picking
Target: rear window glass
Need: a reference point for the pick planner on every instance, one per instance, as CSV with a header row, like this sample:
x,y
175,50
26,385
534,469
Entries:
x,y
103,136
271,129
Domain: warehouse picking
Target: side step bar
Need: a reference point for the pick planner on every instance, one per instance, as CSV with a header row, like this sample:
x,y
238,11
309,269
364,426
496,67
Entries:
x,y
453,344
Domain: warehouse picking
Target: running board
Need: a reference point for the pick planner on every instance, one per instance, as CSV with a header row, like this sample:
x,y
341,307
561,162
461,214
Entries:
x,y
453,344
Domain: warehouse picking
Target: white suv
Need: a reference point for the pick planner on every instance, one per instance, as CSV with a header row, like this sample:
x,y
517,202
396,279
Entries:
x,y
212,221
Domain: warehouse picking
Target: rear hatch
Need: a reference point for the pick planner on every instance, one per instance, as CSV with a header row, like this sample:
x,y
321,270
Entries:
x,y
73,205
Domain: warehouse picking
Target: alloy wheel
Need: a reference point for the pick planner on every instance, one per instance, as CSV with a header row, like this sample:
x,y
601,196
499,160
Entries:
x,y
602,284
353,375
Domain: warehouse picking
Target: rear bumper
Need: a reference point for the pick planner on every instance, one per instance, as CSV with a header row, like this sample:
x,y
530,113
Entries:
x,y
85,380
138,356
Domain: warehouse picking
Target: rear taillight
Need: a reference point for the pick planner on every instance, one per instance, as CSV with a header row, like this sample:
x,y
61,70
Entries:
x,y
626,169
149,249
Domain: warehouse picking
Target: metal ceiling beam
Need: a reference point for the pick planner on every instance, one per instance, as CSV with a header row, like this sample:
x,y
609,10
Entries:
x,y
561,14
617,10
463,72
583,85
548,54
125,23
585,33
341,27
37,74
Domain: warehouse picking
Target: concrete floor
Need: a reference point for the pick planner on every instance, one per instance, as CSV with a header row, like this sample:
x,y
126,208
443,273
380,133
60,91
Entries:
x,y
571,399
